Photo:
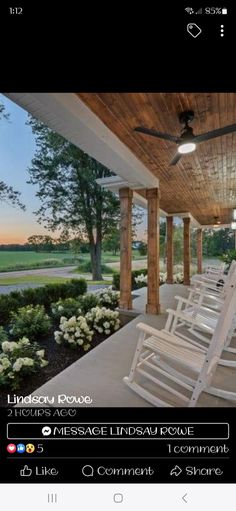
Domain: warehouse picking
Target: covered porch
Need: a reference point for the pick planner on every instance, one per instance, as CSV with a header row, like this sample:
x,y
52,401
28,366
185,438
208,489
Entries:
x,y
99,374
200,189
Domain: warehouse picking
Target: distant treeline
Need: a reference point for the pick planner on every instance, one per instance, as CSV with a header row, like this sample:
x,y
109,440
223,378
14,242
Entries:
x,y
14,247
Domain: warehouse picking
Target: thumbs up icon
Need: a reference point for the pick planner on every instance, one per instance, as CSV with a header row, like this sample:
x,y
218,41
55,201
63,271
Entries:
x,y
26,471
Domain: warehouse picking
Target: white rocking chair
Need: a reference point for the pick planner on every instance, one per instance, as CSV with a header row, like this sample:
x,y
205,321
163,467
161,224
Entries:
x,y
215,284
197,319
164,361
211,273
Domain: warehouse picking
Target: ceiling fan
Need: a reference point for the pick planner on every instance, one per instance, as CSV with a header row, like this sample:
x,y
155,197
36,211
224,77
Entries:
x,y
217,220
187,141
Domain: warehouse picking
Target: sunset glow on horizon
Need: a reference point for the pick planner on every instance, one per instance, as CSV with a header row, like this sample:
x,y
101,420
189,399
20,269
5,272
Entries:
x,y
17,148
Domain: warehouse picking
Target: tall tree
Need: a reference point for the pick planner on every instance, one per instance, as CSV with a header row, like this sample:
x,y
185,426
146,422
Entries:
x,y
70,197
111,242
7,193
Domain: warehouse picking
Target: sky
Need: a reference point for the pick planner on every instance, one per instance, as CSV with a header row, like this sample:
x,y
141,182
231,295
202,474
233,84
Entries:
x,y
17,147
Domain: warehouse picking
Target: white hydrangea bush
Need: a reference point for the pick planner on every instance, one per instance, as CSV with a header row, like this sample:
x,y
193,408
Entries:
x,y
108,297
178,278
19,360
162,277
142,279
74,332
103,320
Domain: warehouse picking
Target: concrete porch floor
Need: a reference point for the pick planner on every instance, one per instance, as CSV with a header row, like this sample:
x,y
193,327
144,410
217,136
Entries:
x,y
99,373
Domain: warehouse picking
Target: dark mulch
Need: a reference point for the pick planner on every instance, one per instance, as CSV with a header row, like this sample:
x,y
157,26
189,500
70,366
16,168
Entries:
x,y
59,357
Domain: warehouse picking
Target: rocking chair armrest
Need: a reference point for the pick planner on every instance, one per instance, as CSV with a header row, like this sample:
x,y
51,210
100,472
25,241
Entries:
x,y
208,295
188,319
172,338
213,270
207,279
147,329
208,285
196,306
219,267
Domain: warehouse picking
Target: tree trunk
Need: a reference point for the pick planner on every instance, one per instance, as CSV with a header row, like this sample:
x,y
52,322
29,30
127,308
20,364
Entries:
x,y
96,255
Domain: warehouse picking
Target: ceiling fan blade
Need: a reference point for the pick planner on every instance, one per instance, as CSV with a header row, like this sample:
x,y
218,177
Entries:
x,y
157,134
215,133
176,159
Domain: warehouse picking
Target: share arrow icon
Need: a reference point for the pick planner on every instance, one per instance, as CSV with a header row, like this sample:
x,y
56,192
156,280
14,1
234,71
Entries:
x,y
176,471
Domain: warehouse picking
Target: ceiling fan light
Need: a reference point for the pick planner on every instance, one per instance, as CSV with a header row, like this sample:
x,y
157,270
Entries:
x,y
186,147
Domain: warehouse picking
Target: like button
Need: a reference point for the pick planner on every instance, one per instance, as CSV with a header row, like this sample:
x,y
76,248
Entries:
x,y
26,471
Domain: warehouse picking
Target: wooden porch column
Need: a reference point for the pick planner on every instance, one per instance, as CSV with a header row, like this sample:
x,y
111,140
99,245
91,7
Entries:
x,y
153,301
126,196
186,251
170,251
199,250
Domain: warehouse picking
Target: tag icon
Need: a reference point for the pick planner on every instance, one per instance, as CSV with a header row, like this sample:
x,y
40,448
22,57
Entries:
x,y
193,29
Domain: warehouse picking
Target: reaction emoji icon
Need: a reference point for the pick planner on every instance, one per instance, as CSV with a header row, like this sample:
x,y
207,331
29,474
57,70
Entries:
x,y
30,448
11,448
20,448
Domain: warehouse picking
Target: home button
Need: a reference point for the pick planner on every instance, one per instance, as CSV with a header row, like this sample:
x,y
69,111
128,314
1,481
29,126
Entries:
x,y
118,498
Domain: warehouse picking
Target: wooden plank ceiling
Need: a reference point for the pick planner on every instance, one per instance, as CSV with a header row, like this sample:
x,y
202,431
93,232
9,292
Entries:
x,y
203,182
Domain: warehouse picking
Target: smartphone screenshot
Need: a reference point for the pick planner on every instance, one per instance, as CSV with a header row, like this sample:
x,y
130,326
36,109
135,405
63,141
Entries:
x,y
118,257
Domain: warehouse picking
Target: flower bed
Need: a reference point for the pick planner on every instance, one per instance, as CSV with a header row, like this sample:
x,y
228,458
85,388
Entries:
x,y
139,279
59,357
36,345
18,360
43,295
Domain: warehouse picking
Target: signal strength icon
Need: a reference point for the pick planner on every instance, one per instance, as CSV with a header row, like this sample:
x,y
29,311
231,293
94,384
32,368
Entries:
x,y
189,10
199,11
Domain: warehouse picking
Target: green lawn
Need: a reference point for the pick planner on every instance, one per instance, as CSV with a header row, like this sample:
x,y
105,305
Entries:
x,y
25,260
10,261
34,279
38,279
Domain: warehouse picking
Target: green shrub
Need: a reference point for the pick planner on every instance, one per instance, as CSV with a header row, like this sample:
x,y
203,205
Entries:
x,y
29,296
77,287
3,335
135,285
142,248
67,308
72,260
44,295
228,257
29,321
19,360
16,295
8,304
87,302
86,267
